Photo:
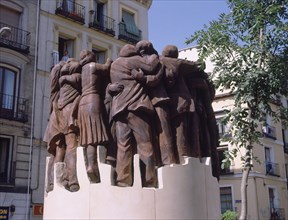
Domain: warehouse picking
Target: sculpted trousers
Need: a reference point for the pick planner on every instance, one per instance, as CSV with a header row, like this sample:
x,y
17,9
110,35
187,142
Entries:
x,y
165,135
132,127
181,125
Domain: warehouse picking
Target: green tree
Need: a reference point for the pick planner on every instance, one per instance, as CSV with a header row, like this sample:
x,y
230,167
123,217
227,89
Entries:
x,y
249,47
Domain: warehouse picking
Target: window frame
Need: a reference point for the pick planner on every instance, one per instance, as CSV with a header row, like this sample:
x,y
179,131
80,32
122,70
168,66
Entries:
x,y
66,40
222,129
232,197
275,199
225,171
97,52
16,87
9,162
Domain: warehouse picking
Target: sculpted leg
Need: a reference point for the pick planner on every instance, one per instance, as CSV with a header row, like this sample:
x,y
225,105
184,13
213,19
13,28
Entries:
x,y
112,146
124,154
195,135
165,135
180,124
50,174
59,157
142,133
70,159
92,164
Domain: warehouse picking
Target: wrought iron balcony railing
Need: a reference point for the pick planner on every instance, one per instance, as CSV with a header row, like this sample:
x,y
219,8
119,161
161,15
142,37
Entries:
x,y
278,214
269,131
102,23
13,108
18,40
286,148
286,170
8,178
126,36
272,169
226,171
71,10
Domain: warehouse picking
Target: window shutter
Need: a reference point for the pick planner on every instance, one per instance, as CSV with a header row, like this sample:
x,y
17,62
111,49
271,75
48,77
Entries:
x,y
131,27
9,16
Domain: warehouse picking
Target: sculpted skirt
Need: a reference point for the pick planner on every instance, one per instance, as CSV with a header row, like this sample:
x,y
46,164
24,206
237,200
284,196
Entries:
x,y
92,124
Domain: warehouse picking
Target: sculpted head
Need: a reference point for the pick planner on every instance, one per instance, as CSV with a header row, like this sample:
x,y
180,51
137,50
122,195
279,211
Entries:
x,y
145,47
71,66
170,51
57,68
87,56
128,50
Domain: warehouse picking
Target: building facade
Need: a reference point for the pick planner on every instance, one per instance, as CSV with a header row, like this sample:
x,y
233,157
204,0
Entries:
x,y
17,70
43,33
268,183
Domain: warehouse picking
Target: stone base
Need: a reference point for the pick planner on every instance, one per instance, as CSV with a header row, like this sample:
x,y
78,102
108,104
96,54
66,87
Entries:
x,y
186,191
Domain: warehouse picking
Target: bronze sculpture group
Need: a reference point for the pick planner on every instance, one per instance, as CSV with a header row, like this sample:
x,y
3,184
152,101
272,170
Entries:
x,y
159,107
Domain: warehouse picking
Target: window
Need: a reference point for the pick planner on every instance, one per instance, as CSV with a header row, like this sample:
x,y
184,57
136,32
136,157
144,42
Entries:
x,y
71,10
272,199
6,159
8,79
99,9
285,140
268,130
99,19
271,167
67,5
100,55
65,48
222,129
286,171
128,19
226,199
267,154
221,155
9,16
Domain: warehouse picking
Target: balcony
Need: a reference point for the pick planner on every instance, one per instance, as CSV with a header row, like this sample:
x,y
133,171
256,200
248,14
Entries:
x,y
286,170
102,23
71,10
13,108
278,214
272,169
269,132
226,171
18,40
127,36
286,148
7,178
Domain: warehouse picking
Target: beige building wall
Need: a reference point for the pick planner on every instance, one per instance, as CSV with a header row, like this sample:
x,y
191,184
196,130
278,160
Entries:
x,y
17,63
269,152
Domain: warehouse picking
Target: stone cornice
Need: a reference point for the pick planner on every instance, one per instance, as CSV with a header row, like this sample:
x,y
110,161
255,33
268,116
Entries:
x,y
146,3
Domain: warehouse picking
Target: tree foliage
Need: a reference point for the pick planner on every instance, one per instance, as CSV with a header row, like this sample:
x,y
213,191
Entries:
x,y
249,48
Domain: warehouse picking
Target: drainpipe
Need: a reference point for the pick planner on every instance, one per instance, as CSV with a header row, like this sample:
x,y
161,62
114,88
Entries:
x,y
28,197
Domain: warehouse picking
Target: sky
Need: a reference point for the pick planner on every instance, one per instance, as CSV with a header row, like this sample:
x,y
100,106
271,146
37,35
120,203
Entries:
x,y
173,21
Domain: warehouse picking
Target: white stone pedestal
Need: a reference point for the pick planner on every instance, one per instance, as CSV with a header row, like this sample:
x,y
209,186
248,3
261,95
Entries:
x,y
185,191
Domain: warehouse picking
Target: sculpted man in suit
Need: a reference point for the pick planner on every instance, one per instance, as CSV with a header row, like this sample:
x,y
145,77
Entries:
x,y
130,110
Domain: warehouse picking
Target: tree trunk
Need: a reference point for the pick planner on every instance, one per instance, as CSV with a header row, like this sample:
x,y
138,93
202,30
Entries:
x,y
244,183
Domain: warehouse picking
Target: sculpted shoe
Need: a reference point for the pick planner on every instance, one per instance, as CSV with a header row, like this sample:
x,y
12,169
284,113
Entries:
x,y
74,188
